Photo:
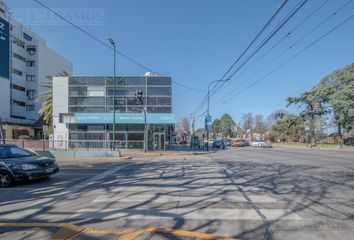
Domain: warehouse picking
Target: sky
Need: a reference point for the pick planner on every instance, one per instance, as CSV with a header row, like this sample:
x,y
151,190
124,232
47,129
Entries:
x,y
196,41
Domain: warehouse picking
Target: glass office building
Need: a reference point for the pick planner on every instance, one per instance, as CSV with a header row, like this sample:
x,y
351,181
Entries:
x,y
89,116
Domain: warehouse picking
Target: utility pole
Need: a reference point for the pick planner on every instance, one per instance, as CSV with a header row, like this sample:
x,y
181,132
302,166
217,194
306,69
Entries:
x,y
139,96
114,94
208,118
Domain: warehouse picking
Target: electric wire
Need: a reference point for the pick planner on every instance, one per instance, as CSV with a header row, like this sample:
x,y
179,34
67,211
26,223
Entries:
x,y
109,46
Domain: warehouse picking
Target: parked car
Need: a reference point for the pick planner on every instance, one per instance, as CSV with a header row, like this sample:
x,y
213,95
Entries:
x,y
349,141
20,164
218,144
237,143
246,142
261,143
227,141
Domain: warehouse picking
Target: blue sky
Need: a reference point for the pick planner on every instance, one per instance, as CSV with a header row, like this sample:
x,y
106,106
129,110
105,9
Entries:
x,y
196,42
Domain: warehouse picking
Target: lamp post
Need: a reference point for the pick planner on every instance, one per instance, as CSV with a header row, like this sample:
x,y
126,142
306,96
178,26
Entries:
x,y
114,94
208,107
139,96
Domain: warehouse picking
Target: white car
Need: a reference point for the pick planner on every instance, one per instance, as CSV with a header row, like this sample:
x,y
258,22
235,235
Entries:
x,y
261,143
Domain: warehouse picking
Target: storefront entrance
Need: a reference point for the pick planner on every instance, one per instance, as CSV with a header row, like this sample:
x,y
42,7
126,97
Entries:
x,y
159,141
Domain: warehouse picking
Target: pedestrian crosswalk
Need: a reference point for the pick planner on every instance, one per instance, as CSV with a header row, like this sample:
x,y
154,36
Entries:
x,y
189,192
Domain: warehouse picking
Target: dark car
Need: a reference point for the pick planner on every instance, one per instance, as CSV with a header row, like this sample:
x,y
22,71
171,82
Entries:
x,y
20,164
349,141
227,141
246,142
218,144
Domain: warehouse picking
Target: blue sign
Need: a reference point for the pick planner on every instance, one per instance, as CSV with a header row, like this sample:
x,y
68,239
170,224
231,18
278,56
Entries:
x,y
124,118
208,122
4,49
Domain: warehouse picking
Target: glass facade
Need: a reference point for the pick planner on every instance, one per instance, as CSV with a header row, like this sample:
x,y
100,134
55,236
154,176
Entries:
x,y
95,95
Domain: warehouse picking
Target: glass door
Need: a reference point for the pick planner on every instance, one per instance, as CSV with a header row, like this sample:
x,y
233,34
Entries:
x,y
159,141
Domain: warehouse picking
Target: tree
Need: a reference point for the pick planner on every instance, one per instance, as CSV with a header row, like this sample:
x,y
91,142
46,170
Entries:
x,y
313,102
275,116
290,127
46,98
228,126
247,124
216,127
183,129
337,90
259,124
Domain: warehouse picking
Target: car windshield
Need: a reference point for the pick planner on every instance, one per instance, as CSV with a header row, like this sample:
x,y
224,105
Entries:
x,y
13,151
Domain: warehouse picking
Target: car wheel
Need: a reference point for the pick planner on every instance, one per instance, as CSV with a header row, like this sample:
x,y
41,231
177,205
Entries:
x,y
5,179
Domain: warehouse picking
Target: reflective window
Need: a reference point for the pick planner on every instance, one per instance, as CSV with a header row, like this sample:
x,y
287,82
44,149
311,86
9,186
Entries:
x,y
87,109
159,91
159,109
86,101
126,81
86,80
77,91
158,81
159,101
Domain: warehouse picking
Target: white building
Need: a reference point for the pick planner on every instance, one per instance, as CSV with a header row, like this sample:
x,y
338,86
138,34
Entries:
x,y
25,61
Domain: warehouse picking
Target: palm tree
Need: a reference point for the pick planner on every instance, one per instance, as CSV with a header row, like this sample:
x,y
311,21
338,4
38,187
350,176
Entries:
x,y
46,98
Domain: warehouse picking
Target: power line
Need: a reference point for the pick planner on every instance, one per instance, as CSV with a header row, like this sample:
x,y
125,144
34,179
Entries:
x,y
268,38
291,58
243,53
298,41
109,46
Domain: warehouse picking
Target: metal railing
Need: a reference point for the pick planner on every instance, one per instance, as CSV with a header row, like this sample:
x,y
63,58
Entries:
x,y
44,145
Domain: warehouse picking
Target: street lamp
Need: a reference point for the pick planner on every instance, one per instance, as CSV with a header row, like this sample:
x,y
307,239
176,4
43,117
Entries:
x,y
139,96
208,110
114,93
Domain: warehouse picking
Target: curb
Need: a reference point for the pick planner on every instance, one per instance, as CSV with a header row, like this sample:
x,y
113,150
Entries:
x,y
68,231
94,158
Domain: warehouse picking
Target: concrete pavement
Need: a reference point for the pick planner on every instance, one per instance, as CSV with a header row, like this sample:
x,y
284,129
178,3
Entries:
x,y
245,193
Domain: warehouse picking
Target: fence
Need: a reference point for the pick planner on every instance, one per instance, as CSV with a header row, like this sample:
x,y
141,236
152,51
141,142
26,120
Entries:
x,y
44,145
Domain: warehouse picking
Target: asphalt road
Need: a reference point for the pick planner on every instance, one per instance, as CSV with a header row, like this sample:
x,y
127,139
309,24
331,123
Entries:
x,y
245,193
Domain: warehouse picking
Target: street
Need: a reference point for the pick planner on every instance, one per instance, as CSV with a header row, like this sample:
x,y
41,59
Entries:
x,y
245,193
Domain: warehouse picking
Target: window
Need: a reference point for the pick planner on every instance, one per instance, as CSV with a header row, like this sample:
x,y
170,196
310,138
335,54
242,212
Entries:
x,y
91,101
18,88
30,108
159,100
30,78
159,110
18,103
30,63
18,42
31,94
77,91
159,91
66,118
27,37
18,117
19,57
158,81
95,91
13,151
87,81
87,109
31,50
17,72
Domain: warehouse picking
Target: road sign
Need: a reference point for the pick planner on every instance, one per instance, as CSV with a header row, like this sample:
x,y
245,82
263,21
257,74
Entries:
x,y
208,122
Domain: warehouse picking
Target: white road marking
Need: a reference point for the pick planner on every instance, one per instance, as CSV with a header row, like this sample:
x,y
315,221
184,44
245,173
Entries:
x,y
52,199
185,213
